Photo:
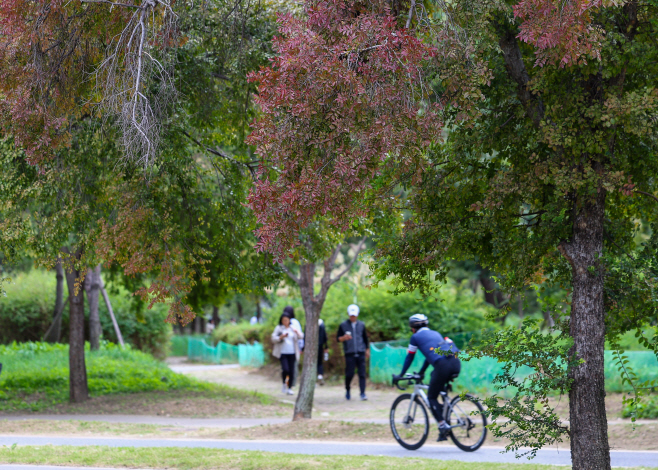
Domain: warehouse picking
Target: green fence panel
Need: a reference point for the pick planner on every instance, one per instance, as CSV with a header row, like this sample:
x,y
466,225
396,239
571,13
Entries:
x,y
251,355
199,350
228,354
643,363
477,375
247,355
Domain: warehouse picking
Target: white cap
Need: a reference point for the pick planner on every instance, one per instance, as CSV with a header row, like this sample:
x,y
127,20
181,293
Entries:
x,y
353,310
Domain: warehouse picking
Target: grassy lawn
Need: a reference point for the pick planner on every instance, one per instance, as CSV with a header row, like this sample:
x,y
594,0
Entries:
x,y
183,459
34,378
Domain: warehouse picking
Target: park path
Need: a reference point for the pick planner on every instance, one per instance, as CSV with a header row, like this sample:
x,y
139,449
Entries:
x,y
329,401
484,454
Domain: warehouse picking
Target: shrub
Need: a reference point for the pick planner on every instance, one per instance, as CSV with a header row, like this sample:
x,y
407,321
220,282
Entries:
x,y
35,375
238,333
27,310
26,314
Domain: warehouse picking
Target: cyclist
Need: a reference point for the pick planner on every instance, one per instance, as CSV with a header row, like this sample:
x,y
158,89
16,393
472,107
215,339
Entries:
x,y
441,354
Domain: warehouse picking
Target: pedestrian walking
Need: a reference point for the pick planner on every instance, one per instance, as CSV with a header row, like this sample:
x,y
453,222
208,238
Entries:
x,y
288,310
352,333
286,349
323,350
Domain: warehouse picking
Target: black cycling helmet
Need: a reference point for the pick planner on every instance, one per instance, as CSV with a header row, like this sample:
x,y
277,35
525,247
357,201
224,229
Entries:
x,y
418,321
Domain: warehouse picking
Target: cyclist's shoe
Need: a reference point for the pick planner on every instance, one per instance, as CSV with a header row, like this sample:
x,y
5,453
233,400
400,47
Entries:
x,y
444,432
347,395
284,389
320,379
363,397
289,392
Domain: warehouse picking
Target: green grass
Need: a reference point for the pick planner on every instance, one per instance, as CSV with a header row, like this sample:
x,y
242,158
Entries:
x,y
35,375
183,459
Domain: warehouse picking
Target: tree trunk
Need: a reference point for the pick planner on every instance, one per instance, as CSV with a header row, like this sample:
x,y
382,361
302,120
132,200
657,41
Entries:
x,y
304,402
589,426
78,390
55,331
215,316
93,295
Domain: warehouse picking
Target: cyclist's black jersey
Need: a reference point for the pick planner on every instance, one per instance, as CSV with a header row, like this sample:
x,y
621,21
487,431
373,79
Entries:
x,y
428,342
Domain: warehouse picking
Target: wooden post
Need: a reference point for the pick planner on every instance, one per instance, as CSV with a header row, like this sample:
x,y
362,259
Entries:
x,y
111,312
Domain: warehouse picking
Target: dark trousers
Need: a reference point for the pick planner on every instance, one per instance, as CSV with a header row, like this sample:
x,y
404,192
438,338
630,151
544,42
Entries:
x,y
288,368
443,369
353,361
320,362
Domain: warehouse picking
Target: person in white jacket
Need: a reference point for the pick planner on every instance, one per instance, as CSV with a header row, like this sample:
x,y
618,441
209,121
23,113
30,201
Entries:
x,y
286,348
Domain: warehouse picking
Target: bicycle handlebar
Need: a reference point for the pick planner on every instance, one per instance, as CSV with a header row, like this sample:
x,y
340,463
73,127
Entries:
x,y
408,378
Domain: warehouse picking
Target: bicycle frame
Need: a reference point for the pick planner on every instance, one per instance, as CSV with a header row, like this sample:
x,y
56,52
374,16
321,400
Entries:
x,y
419,391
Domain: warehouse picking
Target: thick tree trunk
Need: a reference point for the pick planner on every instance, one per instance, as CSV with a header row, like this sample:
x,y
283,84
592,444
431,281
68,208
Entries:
x,y
215,316
304,402
93,282
54,333
589,426
78,390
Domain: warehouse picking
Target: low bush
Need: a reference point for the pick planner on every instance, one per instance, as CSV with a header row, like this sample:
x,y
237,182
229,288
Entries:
x,y
36,375
238,333
26,314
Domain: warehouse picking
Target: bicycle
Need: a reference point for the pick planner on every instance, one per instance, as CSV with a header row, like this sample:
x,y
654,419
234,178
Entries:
x,y
410,422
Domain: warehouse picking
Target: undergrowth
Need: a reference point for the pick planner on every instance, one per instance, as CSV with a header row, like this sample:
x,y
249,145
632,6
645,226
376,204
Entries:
x,y
35,376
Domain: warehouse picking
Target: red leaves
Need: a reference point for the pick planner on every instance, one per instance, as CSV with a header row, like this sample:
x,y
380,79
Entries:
x,y
561,31
341,101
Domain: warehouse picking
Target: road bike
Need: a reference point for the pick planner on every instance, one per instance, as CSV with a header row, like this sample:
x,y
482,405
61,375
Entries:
x,y
410,421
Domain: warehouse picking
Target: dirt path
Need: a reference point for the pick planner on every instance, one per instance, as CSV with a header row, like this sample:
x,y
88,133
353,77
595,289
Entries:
x,y
329,399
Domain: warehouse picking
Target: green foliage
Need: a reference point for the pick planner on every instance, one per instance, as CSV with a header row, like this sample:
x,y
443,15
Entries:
x,y
455,309
645,409
26,313
26,309
35,375
238,333
547,356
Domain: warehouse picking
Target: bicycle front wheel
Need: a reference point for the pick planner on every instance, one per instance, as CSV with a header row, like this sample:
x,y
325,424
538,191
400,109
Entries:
x,y
410,423
468,422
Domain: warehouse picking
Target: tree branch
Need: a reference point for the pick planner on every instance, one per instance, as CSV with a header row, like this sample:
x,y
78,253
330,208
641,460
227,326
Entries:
x,y
646,194
358,249
221,154
290,273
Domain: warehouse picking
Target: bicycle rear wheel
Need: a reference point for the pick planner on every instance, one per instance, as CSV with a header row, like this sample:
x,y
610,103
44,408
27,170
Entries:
x,y
468,422
410,423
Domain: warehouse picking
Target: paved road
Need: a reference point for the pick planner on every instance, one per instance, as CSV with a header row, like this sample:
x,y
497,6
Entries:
x,y
485,454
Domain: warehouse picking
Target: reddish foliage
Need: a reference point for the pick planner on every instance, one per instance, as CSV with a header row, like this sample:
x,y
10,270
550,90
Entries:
x,y
561,31
47,49
344,100
138,243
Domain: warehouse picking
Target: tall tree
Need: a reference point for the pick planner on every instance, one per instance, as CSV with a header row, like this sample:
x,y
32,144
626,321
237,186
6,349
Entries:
x,y
534,175
303,275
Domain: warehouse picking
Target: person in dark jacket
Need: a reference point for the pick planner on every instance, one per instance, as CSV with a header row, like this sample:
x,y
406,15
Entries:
x,y
352,333
323,350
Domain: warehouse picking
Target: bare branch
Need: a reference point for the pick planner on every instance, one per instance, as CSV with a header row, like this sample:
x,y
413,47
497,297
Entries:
x,y
411,13
138,88
357,250
290,273
222,154
646,194
114,4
